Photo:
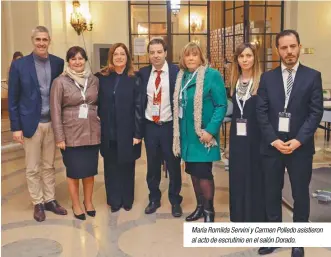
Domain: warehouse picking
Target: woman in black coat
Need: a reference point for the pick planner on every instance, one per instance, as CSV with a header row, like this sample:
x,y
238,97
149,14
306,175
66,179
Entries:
x,y
121,115
245,171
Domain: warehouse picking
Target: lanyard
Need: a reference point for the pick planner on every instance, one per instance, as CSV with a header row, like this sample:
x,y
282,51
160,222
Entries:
x,y
241,107
188,82
287,98
82,91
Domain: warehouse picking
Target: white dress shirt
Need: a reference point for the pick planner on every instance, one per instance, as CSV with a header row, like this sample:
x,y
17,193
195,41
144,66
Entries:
x,y
285,74
165,108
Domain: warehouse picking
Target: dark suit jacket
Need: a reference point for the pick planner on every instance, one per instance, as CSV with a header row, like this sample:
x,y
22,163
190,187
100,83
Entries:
x,y
129,114
305,106
24,97
144,74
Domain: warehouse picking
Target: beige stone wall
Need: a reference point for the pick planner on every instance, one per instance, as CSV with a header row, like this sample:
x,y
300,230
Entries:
x,y
312,19
110,21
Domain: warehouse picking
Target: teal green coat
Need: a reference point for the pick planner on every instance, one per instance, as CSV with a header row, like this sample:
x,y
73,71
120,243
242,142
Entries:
x,y
213,111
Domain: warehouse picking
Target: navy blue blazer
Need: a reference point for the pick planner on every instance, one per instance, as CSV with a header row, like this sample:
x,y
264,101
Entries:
x,y
305,106
24,97
144,74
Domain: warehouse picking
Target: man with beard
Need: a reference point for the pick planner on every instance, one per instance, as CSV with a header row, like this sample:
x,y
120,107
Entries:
x,y
289,110
159,81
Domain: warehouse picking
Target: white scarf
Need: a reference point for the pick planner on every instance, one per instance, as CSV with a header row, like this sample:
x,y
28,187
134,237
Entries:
x,y
198,96
79,77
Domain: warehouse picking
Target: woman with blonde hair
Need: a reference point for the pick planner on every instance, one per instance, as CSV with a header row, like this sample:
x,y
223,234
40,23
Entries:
x,y
199,108
121,114
245,174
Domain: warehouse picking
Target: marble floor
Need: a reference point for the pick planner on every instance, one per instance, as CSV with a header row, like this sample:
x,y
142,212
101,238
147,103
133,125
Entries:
x,y
113,234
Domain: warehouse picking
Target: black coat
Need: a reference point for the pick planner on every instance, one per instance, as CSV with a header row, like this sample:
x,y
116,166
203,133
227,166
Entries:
x,y
305,105
129,114
245,167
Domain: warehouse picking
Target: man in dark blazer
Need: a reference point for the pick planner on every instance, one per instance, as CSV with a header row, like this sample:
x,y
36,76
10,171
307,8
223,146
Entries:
x,y
158,80
289,110
30,80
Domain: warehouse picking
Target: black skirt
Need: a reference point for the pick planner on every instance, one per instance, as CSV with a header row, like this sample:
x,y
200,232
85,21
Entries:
x,y
81,161
201,170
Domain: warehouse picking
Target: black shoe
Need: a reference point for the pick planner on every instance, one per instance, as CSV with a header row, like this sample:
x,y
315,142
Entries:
x,y
209,215
127,207
298,252
197,214
266,250
115,208
176,210
90,213
79,216
152,207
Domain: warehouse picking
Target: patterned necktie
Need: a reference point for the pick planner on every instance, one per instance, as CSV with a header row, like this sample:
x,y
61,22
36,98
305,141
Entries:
x,y
289,82
157,98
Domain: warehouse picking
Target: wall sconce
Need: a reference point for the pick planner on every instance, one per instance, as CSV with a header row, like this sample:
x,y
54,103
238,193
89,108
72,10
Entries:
x,y
256,43
196,23
78,21
307,50
175,6
196,41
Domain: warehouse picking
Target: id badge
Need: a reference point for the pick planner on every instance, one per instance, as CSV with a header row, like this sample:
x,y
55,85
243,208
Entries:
x,y
284,122
155,110
241,127
83,111
180,113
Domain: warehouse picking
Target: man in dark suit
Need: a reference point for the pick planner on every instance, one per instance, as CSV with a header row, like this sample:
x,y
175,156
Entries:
x,y
159,81
289,110
30,80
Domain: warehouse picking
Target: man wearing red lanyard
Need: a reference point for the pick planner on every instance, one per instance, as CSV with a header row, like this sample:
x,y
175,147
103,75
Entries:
x,y
159,80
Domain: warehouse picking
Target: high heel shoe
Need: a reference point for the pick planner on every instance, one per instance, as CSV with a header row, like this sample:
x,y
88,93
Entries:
x,y
197,214
209,215
90,213
209,212
79,216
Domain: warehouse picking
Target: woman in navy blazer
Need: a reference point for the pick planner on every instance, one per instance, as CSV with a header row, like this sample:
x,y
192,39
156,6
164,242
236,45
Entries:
x,y
121,115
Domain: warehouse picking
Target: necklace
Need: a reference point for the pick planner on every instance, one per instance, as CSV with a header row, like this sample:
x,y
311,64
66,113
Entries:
x,y
242,88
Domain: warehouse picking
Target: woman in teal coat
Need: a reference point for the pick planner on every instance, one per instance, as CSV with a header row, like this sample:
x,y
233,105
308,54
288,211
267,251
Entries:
x,y
199,108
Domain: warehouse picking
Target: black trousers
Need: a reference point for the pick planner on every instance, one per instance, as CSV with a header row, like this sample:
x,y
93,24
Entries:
x,y
119,179
299,169
158,142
